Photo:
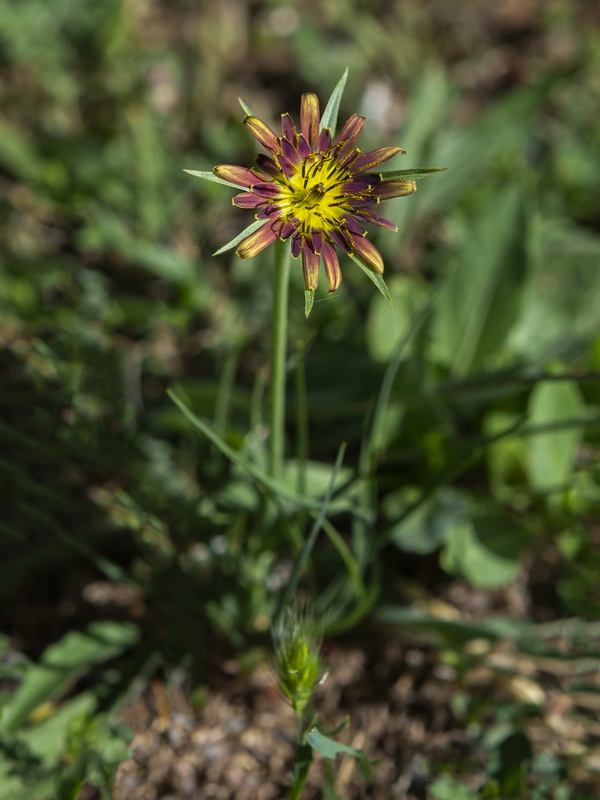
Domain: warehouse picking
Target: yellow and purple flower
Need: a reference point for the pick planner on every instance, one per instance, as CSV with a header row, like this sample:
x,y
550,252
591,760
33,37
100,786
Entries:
x,y
315,191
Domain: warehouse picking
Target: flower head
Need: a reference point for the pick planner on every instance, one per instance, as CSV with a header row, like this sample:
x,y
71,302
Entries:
x,y
317,190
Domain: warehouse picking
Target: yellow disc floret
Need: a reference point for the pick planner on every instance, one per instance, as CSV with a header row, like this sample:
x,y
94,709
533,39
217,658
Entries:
x,y
313,194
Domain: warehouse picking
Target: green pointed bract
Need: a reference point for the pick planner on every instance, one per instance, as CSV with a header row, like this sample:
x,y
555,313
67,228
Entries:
x,y
409,174
241,236
247,110
309,299
210,176
330,115
374,276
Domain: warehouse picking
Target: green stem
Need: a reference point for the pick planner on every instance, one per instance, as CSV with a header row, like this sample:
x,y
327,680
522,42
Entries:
x,y
303,761
301,418
278,358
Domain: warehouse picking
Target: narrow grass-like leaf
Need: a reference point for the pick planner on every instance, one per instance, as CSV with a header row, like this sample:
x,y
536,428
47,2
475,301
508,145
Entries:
x,y
503,128
330,115
410,174
481,295
452,631
426,114
241,236
374,276
347,557
247,110
258,474
288,594
210,176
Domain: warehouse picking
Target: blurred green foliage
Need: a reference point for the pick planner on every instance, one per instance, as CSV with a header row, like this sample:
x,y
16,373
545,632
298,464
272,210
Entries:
x,y
470,409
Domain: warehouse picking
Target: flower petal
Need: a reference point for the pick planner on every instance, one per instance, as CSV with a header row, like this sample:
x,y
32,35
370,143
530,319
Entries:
x,y
267,164
269,211
262,133
288,127
257,242
266,189
351,130
238,175
377,219
288,227
309,118
354,187
375,157
310,266
367,251
296,245
353,225
248,200
324,140
286,167
303,146
316,238
289,152
332,266
387,189
341,239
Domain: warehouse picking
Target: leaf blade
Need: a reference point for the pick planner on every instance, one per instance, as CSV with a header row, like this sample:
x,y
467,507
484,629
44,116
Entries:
x,y
210,176
330,115
259,223
374,276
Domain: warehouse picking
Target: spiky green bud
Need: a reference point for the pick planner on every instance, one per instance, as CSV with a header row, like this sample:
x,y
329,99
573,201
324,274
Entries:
x,y
297,655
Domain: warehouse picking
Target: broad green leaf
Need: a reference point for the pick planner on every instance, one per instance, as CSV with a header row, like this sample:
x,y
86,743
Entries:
x,y
562,295
448,789
373,275
210,176
479,299
241,236
410,174
485,550
426,528
329,748
330,115
61,664
39,789
47,739
552,454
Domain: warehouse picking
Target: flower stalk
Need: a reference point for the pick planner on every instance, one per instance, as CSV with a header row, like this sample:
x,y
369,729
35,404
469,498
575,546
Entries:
x,y
278,360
